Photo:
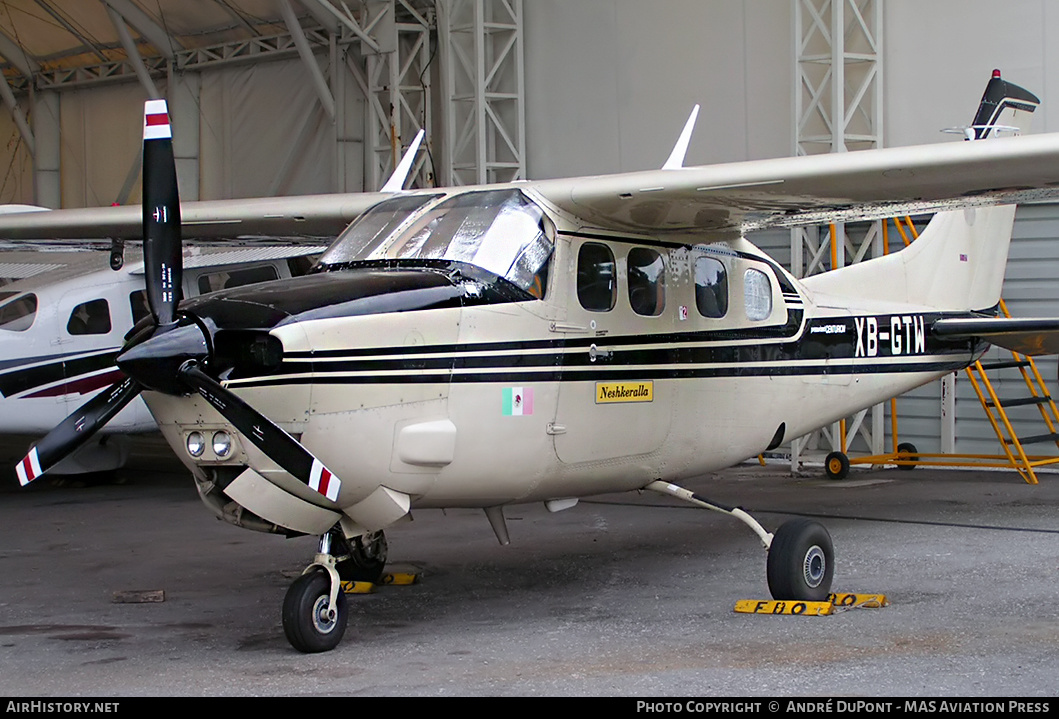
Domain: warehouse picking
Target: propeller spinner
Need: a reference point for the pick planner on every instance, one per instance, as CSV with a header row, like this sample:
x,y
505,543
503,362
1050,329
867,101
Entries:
x,y
171,355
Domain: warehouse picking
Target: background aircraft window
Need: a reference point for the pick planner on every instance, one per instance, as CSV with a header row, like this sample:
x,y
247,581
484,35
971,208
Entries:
x,y
757,293
138,303
647,282
711,287
596,288
90,318
236,278
18,314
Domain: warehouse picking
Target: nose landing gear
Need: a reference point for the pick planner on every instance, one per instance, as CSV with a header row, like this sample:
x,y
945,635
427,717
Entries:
x,y
314,610
312,621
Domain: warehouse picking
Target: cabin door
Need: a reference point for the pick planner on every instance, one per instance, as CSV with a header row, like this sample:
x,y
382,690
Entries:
x,y
613,402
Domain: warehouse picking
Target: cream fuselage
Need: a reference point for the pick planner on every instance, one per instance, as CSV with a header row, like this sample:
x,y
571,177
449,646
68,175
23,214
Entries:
x,y
481,405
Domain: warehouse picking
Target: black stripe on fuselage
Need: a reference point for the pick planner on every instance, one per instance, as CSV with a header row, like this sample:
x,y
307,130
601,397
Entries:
x,y
827,346
565,375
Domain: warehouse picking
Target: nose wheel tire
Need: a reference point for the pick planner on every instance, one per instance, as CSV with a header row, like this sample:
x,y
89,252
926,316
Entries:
x,y
801,562
310,624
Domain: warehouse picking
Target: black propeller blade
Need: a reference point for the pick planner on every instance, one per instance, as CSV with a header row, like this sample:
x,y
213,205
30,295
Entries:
x,y
76,429
162,267
167,357
162,259
280,447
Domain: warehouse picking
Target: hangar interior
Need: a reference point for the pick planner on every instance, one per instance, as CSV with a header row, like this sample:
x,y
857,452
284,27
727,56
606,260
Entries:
x,y
288,97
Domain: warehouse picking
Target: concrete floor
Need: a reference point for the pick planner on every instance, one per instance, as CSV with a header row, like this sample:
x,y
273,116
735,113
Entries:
x,y
625,595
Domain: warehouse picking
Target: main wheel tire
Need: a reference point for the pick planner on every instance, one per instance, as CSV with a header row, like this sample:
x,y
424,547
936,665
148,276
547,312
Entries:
x,y
367,559
307,624
836,465
909,449
801,562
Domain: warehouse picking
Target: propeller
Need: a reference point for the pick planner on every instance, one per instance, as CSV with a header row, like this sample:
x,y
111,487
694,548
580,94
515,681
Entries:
x,y
171,356
163,264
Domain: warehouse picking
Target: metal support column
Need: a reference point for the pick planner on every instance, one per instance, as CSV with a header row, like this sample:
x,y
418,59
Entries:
x,y
837,108
398,77
484,96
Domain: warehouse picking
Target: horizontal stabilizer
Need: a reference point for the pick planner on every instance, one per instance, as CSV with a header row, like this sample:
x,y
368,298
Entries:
x,y
1028,336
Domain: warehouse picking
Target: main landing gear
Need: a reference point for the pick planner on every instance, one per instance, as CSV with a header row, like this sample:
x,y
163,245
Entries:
x,y
315,608
801,557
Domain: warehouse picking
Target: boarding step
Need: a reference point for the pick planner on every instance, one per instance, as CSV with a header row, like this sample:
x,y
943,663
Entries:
x,y
1050,437
1005,364
1019,402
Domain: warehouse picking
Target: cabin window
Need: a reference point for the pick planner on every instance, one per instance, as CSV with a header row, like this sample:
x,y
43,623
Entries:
x,y
711,287
597,289
228,279
18,314
647,282
90,318
757,293
138,304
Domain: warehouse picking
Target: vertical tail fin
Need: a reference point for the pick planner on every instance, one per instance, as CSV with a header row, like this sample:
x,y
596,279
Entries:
x,y
958,261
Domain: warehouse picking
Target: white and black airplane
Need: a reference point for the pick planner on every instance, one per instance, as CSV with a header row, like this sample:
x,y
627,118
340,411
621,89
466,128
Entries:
x,y
549,340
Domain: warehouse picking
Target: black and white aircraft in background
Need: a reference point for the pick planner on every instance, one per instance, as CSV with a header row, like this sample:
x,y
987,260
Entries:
x,y
549,340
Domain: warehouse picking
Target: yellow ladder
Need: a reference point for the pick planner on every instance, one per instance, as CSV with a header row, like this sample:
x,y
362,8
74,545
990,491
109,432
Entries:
x,y
995,409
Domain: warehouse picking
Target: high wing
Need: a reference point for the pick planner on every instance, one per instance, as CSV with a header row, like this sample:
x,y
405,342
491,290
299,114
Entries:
x,y
790,191
307,218
290,218
716,199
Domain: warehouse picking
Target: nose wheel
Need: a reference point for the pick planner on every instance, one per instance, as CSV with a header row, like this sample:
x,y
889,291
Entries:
x,y
314,610
311,621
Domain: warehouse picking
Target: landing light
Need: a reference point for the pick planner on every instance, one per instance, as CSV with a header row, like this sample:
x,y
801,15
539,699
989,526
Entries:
x,y
196,444
222,444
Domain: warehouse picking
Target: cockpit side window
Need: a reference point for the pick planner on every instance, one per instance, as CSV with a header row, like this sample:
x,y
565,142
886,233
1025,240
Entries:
x,y
711,287
18,314
597,287
757,295
647,282
90,318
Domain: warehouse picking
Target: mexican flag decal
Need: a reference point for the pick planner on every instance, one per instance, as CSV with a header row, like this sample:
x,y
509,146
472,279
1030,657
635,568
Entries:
x,y
518,401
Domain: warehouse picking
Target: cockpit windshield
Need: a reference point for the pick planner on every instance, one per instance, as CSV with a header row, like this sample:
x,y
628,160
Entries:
x,y
501,231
